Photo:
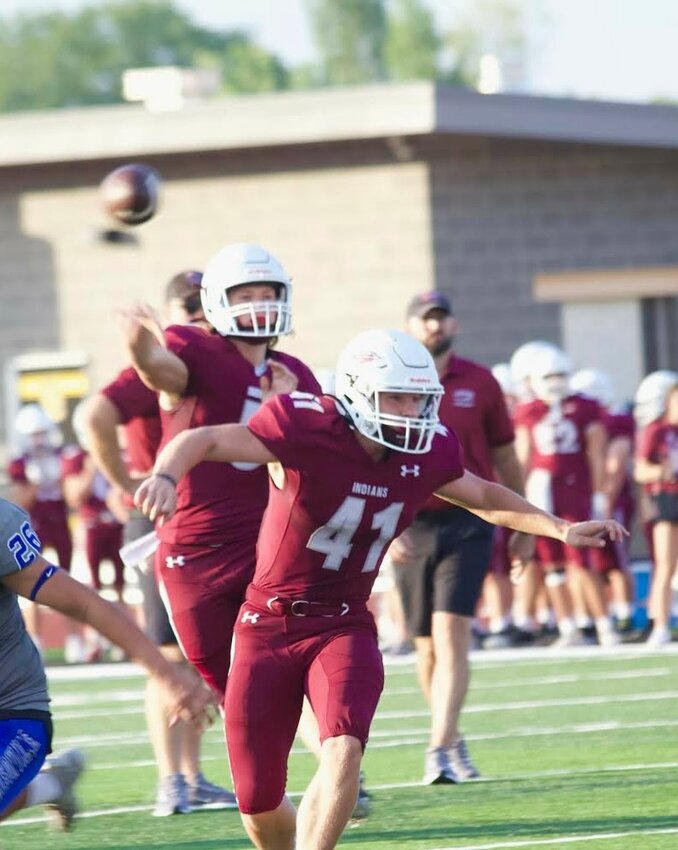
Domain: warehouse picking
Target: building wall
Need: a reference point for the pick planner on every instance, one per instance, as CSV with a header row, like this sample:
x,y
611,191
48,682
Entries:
x,y
351,226
361,226
506,210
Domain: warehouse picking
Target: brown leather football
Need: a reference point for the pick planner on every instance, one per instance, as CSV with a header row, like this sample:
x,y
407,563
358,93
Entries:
x,y
130,193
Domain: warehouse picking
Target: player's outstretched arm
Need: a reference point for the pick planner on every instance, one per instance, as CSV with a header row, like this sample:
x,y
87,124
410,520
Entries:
x,y
187,698
498,505
158,368
156,496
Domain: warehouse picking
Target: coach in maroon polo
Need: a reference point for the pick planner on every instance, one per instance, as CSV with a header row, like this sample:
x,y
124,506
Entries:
x,y
442,559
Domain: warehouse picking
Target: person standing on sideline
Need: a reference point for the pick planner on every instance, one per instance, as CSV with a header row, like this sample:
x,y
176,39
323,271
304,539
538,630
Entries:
x,y
442,559
304,627
36,485
25,721
127,404
656,469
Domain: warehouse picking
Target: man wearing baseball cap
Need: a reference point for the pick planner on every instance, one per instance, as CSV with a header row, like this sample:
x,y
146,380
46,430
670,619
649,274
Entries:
x,y
442,559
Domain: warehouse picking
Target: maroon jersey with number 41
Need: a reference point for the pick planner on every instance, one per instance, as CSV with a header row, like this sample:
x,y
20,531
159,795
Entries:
x,y
325,532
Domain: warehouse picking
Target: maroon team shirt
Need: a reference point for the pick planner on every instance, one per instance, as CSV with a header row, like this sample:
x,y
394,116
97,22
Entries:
x,y
558,445
217,502
659,442
43,471
473,406
139,412
325,532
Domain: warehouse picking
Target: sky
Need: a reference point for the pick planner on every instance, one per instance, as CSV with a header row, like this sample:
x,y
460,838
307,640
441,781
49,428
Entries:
x,y
603,49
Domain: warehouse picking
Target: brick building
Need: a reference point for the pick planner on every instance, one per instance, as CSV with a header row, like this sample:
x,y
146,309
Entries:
x,y
543,218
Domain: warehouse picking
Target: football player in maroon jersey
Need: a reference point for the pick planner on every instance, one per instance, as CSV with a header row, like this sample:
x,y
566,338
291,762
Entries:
x,y
355,470
561,440
36,485
211,377
127,404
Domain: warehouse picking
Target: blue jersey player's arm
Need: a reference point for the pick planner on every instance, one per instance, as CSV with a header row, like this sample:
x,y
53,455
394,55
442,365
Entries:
x,y
187,698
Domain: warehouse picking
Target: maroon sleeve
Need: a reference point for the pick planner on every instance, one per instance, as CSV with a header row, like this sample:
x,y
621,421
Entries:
x,y
17,470
591,412
72,461
275,425
131,397
498,425
649,443
184,341
308,382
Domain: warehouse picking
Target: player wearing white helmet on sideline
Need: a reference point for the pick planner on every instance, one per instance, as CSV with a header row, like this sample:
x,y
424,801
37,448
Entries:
x,y
561,439
656,469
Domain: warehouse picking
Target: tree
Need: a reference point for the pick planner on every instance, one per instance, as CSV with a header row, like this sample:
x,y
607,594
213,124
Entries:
x,y
412,42
350,36
58,59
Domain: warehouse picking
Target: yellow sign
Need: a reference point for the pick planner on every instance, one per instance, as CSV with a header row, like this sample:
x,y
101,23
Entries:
x,y
53,388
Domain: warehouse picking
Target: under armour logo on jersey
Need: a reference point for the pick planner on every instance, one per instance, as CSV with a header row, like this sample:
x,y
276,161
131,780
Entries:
x,y
179,561
410,470
463,398
249,617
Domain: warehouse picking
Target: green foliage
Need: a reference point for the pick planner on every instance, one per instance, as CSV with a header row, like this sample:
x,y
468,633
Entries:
x,y
350,36
56,59
412,44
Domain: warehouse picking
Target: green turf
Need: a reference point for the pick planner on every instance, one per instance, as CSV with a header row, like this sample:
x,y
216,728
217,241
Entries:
x,y
562,770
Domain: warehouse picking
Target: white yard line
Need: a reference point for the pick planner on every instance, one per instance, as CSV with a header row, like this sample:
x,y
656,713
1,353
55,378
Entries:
x,y
565,839
405,663
22,821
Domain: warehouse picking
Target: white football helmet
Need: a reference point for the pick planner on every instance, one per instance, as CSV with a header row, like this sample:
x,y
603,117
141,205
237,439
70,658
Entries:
x,y
35,428
595,384
549,374
652,394
237,264
520,364
502,375
390,361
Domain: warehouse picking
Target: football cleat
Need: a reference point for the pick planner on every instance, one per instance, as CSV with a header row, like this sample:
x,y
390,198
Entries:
x,y
203,794
460,759
172,797
66,768
361,810
438,768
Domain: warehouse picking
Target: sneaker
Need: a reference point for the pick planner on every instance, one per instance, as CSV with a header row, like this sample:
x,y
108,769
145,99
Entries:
x,y
499,640
573,639
611,638
462,765
361,809
203,794
172,797
659,636
438,769
66,768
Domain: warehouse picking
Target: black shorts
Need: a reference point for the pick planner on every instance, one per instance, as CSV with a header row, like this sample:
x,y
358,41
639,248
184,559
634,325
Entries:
x,y
157,623
664,506
453,554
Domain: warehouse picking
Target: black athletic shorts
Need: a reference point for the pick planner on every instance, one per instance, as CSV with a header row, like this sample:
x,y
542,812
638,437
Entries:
x,y
453,552
157,623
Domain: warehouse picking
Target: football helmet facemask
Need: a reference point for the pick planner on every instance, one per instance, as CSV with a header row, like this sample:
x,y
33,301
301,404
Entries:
x,y
391,361
238,264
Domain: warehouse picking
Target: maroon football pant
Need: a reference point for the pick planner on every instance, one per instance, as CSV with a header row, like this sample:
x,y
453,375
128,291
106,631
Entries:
x,y
277,659
203,588
102,543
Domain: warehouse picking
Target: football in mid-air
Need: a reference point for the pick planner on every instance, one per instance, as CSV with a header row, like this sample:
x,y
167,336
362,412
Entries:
x,y
130,193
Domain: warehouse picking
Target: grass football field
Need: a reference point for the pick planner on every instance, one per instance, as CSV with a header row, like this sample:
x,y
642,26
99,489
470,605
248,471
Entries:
x,y
578,749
